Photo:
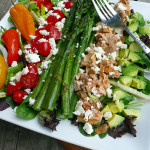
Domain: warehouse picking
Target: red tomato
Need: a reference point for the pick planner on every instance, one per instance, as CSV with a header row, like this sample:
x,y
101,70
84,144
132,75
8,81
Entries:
x,y
33,69
60,13
69,4
18,96
38,3
44,48
54,33
37,32
49,26
49,6
13,88
52,19
31,50
46,4
28,81
34,42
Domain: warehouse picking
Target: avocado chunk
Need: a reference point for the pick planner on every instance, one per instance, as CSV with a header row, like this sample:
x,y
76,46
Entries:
x,y
132,112
106,109
144,30
125,80
133,26
130,39
131,70
123,62
115,108
138,84
133,57
123,53
115,120
118,94
135,47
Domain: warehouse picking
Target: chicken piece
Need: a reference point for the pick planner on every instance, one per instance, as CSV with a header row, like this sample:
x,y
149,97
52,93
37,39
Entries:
x,y
102,129
94,120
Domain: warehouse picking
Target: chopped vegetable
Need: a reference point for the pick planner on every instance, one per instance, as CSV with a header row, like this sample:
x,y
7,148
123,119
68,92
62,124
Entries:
x,y
11,40
23,20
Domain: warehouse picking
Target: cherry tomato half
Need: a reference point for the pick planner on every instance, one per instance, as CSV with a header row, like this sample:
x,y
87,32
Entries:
x,y
18,96
28,81
13,87
52,19
34,42
33,69
31,50
60,13
53,32
44,48
69,4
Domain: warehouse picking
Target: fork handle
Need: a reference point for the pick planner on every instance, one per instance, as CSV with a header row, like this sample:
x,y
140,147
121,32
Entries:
x,y
138,41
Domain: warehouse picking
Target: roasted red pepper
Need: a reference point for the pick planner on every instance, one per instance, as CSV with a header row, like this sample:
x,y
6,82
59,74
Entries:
x,y
11,39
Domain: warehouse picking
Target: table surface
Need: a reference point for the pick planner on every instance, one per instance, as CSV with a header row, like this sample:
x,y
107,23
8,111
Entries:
x,y
13,137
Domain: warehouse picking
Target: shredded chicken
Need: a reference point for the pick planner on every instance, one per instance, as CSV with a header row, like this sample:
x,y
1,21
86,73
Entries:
x,y
98,64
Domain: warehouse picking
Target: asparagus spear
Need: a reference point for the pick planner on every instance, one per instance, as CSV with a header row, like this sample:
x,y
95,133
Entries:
x,y
82,47
41,94
54,88
65,95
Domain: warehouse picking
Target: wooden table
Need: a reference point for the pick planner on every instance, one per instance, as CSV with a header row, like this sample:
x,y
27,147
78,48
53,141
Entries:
x,y
13,137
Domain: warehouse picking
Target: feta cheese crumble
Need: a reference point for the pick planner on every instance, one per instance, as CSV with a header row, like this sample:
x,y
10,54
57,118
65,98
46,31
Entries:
x,y
107,115
79,109
95,92
42,40
28,91
88,128
121,7
20,52
25,70
59,25
44,32
12,83
42,21
32,58
31,101
18,76
88,115
14,64
109,92
54,50
44,64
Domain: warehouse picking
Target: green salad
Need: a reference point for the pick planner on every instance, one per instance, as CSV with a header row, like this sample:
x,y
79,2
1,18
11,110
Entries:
x,y
59,61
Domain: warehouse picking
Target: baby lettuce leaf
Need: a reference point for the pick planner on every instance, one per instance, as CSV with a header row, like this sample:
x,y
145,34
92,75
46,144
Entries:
x,y
126,127
24,2
103,135
3,104
55,2
48,119
147,89
10,102
145,60
80,127
129,98
26,112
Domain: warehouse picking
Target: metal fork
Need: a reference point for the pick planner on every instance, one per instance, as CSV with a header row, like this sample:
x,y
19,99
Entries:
x,y
109,16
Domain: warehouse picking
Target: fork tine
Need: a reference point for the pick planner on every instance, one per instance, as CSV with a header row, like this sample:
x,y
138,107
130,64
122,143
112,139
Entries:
x,y
105,8
103,18
110,8
104,12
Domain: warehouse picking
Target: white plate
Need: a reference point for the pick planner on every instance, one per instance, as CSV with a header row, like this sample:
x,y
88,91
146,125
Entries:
x,y
69,133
